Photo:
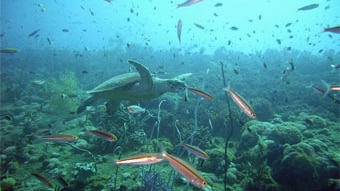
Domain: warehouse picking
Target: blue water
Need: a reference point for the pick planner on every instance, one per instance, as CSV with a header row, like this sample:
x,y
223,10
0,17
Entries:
x,y
276,57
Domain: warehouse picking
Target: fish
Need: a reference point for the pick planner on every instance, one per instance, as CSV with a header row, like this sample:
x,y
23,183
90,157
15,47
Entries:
x,y
179,30
332,29
65,30
335,66
234,28
201,93
33,136
199,26
42,179
308,7
38,82
242,103
49,41
196,151
186,98
323,93
288,70
292,65
288,24
144,159
188,3
91,11
236,71
135,109
59,138
278,41
9,50
33,33
218,5
330,88
187,171
316,89
264,65
8,117
104,135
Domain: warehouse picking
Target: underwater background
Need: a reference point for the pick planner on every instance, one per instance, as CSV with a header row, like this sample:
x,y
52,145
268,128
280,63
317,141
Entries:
x,y
280,56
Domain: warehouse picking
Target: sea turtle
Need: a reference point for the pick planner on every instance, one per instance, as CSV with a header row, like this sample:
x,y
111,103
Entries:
x,y
135,86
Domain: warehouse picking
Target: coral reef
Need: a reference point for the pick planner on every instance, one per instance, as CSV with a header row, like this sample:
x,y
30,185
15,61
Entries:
x,y
63,93
152,181
300,162
84,171
263,108
284,133
7,184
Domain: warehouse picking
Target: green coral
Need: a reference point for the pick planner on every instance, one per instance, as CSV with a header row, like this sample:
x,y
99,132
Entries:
x,y
312,121
255,170
63,94
285,133
8,184
263,109
301,164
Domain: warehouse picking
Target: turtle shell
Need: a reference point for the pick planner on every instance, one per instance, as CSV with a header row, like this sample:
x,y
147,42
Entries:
x,y
116,86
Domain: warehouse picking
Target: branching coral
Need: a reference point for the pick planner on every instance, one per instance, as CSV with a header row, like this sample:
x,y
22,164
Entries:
x,y
152,181
256,172
63,93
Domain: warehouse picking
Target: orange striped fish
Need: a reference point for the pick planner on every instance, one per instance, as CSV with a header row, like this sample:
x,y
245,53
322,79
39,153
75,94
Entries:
x,y
151,158
187,171
245,107
196,151
201,93
104,135
59,138
42,179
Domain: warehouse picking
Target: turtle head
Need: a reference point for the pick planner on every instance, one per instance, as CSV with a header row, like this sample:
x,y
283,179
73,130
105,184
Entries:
x,y
175,85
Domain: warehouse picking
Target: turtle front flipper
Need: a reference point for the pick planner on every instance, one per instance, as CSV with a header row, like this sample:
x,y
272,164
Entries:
x,y
145,81
86,103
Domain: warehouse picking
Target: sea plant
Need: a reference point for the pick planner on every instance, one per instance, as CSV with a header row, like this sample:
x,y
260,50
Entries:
x,y
63,94
152,181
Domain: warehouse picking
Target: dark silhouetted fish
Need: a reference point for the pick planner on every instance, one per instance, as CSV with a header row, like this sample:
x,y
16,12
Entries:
x,y
199,26
308,7
218,5
278,41
332,29
8,50
288,24
179,30
188,3
234,28
33,33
